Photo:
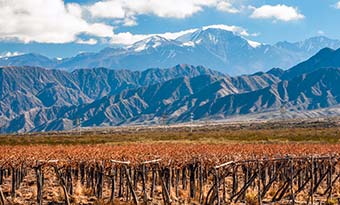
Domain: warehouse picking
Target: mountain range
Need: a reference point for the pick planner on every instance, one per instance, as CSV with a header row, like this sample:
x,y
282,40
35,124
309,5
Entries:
x,y
39,99
216,48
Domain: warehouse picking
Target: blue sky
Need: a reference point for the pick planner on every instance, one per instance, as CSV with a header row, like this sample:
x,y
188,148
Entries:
x,y
57,28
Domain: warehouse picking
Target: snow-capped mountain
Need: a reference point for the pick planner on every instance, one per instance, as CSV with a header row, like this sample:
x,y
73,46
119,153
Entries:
x,y
149,43
221,48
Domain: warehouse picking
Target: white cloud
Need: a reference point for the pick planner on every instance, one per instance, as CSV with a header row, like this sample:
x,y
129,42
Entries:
x,y
278,12
90,41
107,9
227,7
337,5
174,35
130,21
235,29
321,32
161,8
44,21
127,38
54,21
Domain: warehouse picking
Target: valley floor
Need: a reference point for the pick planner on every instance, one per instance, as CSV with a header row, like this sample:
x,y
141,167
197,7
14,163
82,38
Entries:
x,y
320,130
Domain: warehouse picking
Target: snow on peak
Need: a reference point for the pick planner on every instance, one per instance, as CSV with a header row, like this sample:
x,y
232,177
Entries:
x,y
212,38
253,44
189,44
188,37
10,54
150,42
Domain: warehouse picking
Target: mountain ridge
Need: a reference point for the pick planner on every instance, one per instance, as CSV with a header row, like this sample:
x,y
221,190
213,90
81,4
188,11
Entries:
x,y
223,50
39,99
33,94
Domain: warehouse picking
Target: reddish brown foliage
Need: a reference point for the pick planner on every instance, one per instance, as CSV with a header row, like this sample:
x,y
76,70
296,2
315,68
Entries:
x,y
175,154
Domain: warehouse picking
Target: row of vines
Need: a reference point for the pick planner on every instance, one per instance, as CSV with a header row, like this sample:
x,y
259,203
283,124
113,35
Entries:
x,y
170,174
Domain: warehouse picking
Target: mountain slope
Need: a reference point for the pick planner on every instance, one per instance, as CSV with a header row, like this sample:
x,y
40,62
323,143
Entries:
x,y
314,90
37,99
206,97
25,88
99,82
325,58
32,98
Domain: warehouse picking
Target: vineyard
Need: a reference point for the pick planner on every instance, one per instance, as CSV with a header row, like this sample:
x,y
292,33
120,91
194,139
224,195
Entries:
x,y
170,173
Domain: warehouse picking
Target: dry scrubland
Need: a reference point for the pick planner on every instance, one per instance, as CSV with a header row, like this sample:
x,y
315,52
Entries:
x,y
273,161
318,131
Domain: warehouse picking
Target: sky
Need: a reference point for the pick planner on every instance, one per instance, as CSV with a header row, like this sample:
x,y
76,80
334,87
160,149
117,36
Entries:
x,y
58,28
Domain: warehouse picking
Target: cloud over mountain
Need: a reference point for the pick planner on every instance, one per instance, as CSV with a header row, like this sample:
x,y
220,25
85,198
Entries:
x,y
46,22
58,21
165,8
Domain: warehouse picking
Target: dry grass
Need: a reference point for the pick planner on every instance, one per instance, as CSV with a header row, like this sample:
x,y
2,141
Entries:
x,y
251,198
331,202
259,134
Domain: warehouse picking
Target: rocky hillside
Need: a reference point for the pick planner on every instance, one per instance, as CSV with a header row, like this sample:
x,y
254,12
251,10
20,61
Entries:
x,y
38,99
32,96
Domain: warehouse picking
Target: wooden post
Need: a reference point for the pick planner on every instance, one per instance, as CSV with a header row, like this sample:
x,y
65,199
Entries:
x,y
39,176
173,175
235,181
192,181
128,173
100,181
184,178
82,173
224,200
121,178
167,180
145,196
62,184
13,182
134,178
134,196
88,177
201,184
217,186
259,183
177,182
153,183
246,177
330,196
113,185
165,191
93,178
291,181
69,183
312,182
